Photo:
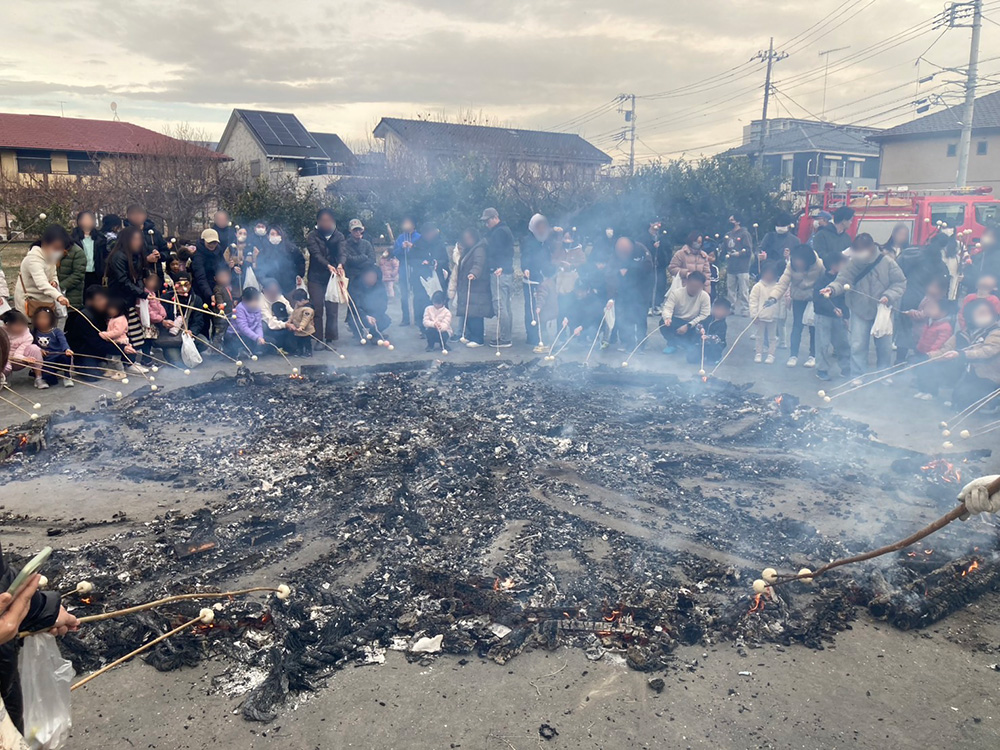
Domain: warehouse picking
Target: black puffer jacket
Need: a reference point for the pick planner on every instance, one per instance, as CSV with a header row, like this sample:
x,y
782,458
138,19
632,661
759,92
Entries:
x,y
154,241
121,281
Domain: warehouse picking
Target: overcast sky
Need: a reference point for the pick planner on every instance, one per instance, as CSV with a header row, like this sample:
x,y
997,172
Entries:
x,y
341,65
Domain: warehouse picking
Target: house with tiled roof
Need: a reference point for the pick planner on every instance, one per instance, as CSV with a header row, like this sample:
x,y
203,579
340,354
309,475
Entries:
x,y
802,152
923,154
43,147
550,156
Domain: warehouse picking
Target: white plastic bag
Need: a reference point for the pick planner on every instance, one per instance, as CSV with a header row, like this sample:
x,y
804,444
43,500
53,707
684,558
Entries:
x,y
675,283
144,313
333,290
250,279
431,285
809,314
882,326
189,350
45,682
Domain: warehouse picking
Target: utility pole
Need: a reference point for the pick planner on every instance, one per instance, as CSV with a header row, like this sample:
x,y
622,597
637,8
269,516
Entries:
x,y
826,72
630,120
957,13
770,57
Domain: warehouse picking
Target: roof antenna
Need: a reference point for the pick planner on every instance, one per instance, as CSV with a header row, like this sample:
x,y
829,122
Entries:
x,y
114,112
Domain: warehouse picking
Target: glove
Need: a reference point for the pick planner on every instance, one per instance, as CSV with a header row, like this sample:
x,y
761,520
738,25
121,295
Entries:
x,y
977,498
771,302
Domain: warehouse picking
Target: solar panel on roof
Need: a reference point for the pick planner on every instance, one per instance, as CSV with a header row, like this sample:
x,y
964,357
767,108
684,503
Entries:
x,y
274,129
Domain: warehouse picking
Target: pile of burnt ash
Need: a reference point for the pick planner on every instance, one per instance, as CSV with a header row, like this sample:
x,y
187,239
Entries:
x,y
469,510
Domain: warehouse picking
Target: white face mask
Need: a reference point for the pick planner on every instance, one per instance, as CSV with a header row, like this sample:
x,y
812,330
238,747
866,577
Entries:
x,y
864,257
274,239
781,230
609,233
55,256
260,231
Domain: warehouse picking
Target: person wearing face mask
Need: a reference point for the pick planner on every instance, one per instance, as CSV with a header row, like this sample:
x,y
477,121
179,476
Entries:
x,y
831,237
738,246
873,279
224,228
37,284
691,258
234,257
359,253
777,246
280,260
567,257
976,353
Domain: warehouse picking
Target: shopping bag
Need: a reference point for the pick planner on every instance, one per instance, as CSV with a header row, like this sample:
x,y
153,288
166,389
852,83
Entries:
x,y
144,313
334,293
809,314
431,284
189,350
676,283
45,682
250,279
882,326
609,311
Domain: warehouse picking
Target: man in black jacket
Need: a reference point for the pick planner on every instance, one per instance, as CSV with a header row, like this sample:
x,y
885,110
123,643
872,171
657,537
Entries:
x,y
500,262
536,263
203,264
29,610
90,351
831,237
326,256
359,253
224,228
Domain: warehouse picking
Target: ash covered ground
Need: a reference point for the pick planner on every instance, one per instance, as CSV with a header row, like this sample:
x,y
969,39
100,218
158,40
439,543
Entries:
x,y
509,508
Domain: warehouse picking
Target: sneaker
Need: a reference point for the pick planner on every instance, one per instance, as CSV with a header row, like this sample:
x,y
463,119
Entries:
x,y
68,383
40,384
792,362
539,349
753,336
822,375
769,360
505,344
115,374
604,345
923,396
136,369
473,345
670,350
758,358
811,362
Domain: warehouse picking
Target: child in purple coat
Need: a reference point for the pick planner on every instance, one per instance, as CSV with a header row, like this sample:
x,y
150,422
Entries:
x,y
246,334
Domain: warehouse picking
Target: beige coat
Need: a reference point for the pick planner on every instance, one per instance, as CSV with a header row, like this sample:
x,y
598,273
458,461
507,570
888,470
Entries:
x,y
38,280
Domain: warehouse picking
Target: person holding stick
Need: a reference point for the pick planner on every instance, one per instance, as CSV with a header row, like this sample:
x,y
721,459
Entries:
x,y
183,310
27,609
90,350
535,265
871,279
475,297
24,353
370,301
684,309
326,257
303,319
976,352
500,262
248,326
437,323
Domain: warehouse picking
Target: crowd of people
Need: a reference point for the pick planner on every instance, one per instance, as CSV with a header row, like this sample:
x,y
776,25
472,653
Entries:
x,y
110,298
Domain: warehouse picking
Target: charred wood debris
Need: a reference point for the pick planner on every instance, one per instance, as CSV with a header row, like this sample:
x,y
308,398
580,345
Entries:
x,y
482,510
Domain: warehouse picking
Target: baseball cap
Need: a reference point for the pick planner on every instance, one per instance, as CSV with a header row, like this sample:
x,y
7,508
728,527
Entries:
x,y
209,235
824,215
355,224
489,213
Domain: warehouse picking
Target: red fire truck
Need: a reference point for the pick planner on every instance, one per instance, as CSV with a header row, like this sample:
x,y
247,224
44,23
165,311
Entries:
x,y
966,210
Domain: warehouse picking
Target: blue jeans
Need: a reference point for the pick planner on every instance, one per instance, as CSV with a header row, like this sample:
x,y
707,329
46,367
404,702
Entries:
x,y
503,290
860,334
832,345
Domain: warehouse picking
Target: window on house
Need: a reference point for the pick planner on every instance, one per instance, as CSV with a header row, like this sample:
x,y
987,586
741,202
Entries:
x,y
34,162
787,163
981,148
853,169
255,168
952,149
831,167
82,164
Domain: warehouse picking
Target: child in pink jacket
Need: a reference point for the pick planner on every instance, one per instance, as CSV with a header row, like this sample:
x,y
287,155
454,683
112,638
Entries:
x,y
23,350
437,318
117,330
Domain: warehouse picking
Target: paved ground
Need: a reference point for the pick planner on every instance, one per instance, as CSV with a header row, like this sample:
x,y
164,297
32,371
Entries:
x,y
876,688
